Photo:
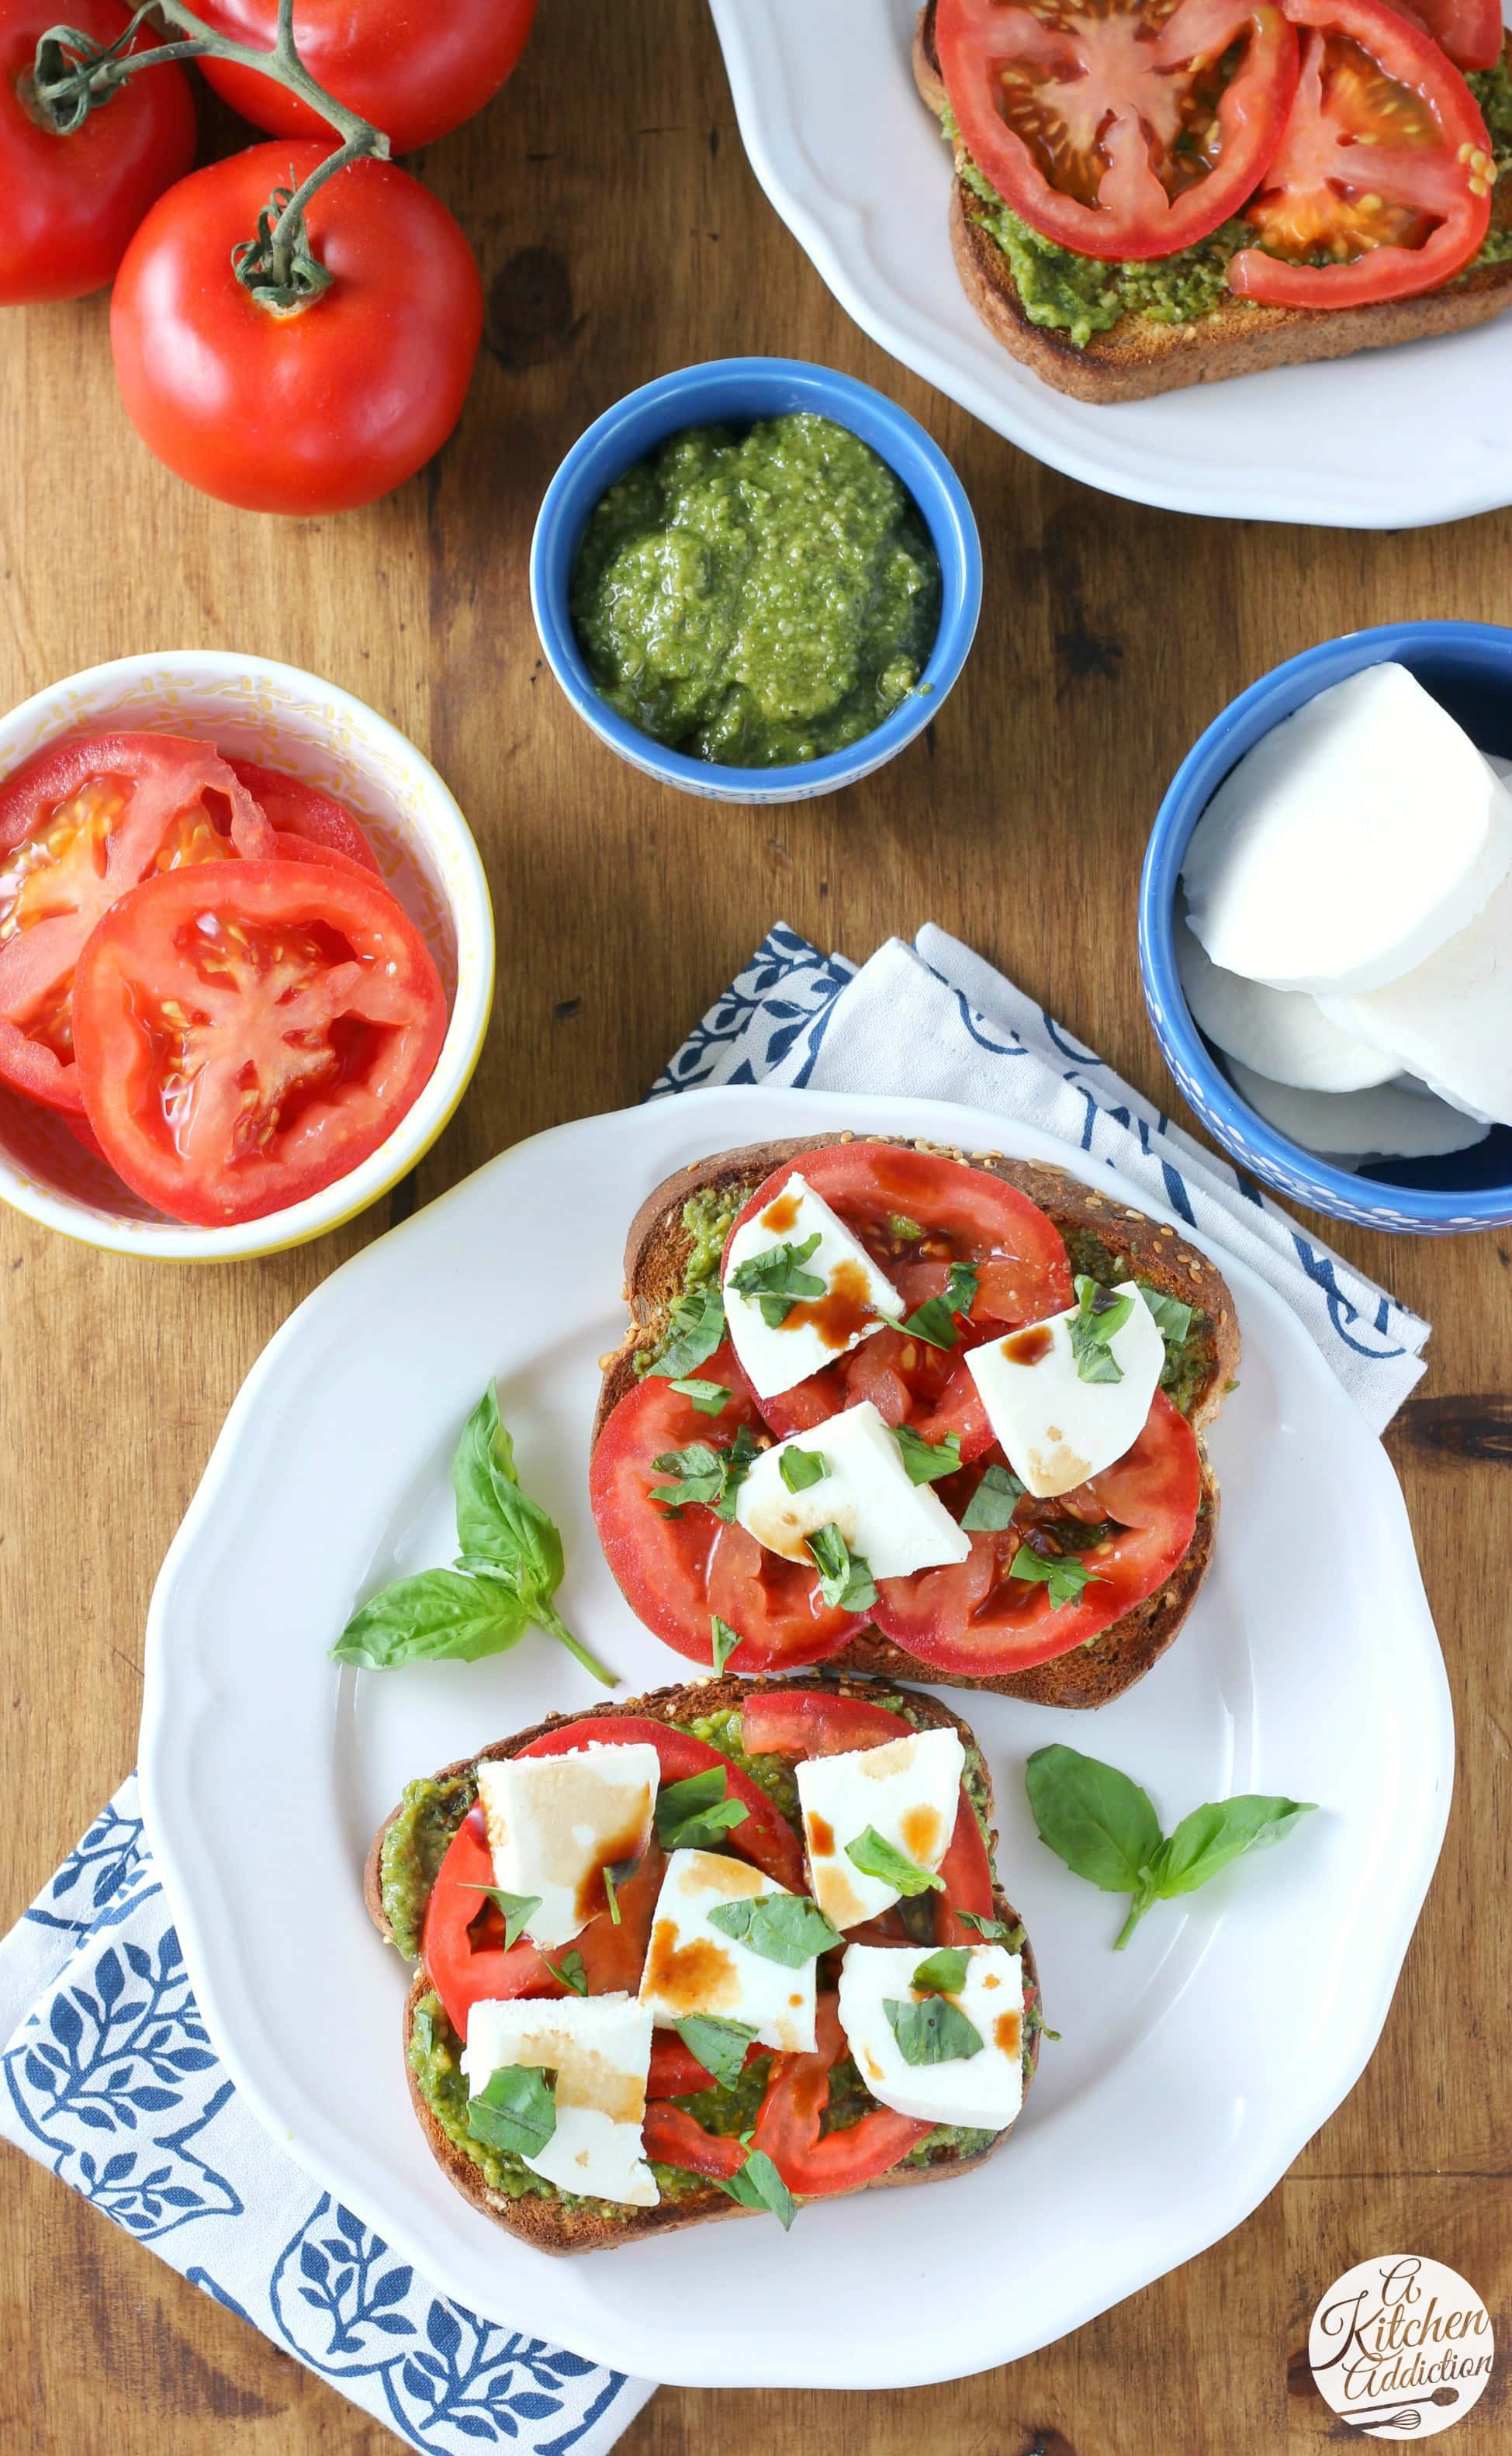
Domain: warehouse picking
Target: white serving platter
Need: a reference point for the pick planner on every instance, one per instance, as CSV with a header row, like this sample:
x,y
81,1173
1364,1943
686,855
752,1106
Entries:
x,y
854,164
1191,2068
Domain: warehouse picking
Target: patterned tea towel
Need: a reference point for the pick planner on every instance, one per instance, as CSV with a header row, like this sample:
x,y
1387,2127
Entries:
x,y
935,1019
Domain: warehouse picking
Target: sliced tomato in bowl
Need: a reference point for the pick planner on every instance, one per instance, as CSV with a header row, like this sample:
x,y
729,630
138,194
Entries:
x,y
304,812
247,1035
1381,185
1124,129
918,1215
80,823
1472,32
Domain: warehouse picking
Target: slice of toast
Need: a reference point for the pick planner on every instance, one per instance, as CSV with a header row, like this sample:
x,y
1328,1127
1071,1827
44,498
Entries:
x,y
1140,356
657,1250
545,2220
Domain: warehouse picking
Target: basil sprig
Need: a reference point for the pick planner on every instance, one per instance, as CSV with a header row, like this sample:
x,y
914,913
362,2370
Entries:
x,y
784,1927
508,1569
705,1474
709,1397
1106,1830
515,2112
935,2032
758,2185
1099,1314
935,1322
696,1815
876,1856
777,1279
1060,1571
991,1506
694,1328
845,1577
927,1461
516,1909
720,2046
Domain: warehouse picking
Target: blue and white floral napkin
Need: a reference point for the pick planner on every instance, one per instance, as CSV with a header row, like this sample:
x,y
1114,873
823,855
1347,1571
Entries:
x,y
109,2079
933,1018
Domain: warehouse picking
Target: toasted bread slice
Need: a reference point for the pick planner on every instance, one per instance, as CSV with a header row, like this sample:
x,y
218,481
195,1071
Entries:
x,y
1139,357
548,2223
657,1250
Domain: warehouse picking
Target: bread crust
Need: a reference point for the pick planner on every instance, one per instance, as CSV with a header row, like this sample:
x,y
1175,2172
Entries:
x,y
1089,1675
1139,357
548,2224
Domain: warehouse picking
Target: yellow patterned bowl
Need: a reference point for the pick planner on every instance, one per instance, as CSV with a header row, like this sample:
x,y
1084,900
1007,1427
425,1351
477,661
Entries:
x,y
252,709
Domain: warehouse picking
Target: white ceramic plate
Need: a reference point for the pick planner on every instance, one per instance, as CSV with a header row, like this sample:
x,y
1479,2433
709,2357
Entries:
x,y
1191,2068
852,162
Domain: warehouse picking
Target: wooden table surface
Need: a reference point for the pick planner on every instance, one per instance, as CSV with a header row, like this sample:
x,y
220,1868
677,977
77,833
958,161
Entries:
x,y
620,233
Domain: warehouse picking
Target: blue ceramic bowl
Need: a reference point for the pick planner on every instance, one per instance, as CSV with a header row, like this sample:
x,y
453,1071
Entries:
x,y
735,391
1467,667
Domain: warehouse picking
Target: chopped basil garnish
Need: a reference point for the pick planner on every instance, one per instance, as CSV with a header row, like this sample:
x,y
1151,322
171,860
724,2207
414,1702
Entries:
x,y
786,1927
935,2032
571,1973
720,2046
705,1474
944,1973
875,1857
694,1329
611,1896
993,1931
517,1909
709,1397
1098,1316
991,1506
777,1279
696,1815
517,2112
1061,1572
935,1322
758,2185
800,1469
724,1640
844,1579
1174,1320
927,1461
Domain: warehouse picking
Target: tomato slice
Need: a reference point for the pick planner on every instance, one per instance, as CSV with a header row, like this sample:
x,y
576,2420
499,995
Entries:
x,y
250,1033
881,1191
974,1618
676,1573
816,2166
302,811
1381,185
675,2137
675,2069
1470,30
79,824
1119,127
766,1838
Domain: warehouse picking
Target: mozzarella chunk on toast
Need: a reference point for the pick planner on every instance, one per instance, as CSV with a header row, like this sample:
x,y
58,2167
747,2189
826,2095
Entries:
x,y
895,1525
1056,1426
982,2090
599,2049
908,1792
857,1298
691,1966
555,1823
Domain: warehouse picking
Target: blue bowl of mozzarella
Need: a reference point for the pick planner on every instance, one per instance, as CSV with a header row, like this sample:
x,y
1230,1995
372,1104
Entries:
x,y
1468,669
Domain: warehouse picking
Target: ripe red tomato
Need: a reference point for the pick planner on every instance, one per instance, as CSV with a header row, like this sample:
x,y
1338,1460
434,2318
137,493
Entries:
x,y
248,1033
313,412
72,202
1119,127
414,70
1470,30
302,812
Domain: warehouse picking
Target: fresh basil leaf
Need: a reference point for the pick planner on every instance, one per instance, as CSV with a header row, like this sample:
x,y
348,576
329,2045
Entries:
x,y
705,1474
935,2032
696,1815
517,2112
944,1973
709,1397
423,2028
758,2185
437,1616
800,1469
724,1640
498,1524
1092,1816
908,1231
1099,1314
786,1927
1211,1837
875,1857
776,1280
845,1580
720,2046
570,1972
1061,1572
927,1461
694,1328
517,1909
994,1931
934,1320
991,1506
1174,1320
611,1896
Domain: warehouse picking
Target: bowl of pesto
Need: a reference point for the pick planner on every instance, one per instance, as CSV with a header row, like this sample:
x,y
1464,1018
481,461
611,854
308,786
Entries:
x,y
756,579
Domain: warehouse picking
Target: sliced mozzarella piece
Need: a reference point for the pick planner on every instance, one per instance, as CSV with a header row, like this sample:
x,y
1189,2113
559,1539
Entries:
x,y
817,1329
1390,1122
895,1525
1354,839
693,1967
1284,1034
555,1823
983,2090
1450,1020
909,1790
1056,1428
599,2049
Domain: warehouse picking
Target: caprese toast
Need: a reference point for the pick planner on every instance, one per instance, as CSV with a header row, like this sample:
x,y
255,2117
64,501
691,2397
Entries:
x,y
728,1947
908,1412
1151,197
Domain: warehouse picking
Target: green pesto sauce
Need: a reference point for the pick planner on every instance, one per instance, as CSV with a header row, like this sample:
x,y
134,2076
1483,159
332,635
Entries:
x,y
413,1849
1492,88
757,599
707,1218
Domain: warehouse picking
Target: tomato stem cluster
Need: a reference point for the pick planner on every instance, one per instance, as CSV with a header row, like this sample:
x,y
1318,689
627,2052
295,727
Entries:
x,y
72,75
